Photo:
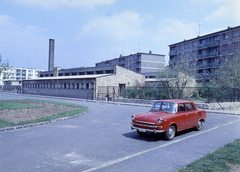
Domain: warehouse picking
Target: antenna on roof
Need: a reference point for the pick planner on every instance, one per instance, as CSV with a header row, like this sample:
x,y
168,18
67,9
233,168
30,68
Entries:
x,y
199,28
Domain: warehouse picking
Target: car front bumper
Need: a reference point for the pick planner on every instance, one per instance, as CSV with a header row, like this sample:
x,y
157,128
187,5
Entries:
x,y
147,130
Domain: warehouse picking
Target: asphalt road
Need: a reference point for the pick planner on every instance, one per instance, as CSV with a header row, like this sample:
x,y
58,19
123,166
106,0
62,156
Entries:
x,y
102,140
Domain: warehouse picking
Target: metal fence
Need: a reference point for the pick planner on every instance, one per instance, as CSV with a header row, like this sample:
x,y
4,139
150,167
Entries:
x,y
12,88
203,94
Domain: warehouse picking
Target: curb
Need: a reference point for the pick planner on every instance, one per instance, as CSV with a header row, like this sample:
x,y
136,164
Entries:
x,y
41,123
220,112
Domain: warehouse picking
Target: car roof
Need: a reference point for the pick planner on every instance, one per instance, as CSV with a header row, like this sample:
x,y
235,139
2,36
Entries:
x,y
176,101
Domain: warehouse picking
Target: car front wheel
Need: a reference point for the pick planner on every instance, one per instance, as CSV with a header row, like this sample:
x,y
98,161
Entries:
x,y
199,126
170,133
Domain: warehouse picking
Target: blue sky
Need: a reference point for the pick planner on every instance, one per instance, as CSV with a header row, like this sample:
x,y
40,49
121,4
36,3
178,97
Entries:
x,y
90,31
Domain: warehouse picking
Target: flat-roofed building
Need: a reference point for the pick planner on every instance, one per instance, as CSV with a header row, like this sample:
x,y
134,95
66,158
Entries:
x,y
207,52
146,64
84,82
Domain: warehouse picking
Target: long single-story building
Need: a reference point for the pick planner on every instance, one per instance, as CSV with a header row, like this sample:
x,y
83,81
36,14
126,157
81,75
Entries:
x,y
87,85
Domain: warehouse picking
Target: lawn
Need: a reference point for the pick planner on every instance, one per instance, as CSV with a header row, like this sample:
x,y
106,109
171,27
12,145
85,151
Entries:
x,y
225,159
25,111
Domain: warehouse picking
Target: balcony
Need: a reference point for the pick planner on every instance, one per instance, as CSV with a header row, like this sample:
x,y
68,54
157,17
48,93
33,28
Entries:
x,y
210,54
172,52
138,59
121,62
209,65
202,76
208,44
138,65
173,60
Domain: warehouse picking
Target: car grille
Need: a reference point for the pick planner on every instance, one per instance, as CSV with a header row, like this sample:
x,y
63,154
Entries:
x,y
144,124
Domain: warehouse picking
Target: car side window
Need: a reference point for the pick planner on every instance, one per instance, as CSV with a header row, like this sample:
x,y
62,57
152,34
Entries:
x,y
190,107
181,108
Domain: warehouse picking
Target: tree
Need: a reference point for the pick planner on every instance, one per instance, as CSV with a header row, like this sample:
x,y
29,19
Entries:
x,y
178,76
3,67
228,74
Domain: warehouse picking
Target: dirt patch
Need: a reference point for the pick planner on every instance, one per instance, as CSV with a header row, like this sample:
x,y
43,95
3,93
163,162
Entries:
x,y
234,168
48,109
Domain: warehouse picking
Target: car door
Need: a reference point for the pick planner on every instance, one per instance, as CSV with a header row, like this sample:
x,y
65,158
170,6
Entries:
x,y
182,118
193,115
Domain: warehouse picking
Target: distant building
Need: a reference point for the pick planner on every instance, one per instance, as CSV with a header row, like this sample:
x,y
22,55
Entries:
x,y
207,52
84,82
57,71
16,75
146,64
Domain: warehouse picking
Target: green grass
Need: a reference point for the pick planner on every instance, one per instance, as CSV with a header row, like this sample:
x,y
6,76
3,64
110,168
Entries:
x,y
8,104
5,123
218,160
12,105
46,101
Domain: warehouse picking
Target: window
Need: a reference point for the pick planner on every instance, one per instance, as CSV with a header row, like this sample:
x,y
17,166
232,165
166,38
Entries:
x,y
164,106
180,47
236,33
194,43
181,108
235,45
225,47
216,38
194,53
225,35
190,107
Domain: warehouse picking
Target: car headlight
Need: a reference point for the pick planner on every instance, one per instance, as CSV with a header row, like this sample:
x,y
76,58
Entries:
x,y
133,117
159,120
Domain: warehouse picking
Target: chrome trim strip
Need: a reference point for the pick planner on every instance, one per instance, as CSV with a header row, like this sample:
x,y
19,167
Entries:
x,y
145,122
148,130
144,125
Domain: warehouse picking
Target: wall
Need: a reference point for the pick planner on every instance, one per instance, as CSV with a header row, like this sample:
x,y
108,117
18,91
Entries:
x,y
123,76
76,88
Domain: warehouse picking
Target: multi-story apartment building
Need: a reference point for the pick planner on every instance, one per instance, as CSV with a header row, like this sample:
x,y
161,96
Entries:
x,y
146,64
16,75
207,52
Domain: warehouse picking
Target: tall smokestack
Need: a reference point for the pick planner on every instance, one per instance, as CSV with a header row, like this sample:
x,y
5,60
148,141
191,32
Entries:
x,y
51,54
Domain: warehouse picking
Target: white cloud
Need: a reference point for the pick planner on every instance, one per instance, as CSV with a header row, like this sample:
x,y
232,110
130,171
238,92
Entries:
x,y
122,26
227,10
18,42
64,3
173,30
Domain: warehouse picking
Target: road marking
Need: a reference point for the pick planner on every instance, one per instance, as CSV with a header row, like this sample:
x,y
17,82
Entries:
x,y
152,149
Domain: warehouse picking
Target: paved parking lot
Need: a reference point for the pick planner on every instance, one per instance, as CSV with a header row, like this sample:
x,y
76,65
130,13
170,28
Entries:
x,y
102,140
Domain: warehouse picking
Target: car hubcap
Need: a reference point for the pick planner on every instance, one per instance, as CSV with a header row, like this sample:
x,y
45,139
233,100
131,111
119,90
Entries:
x,y
171,132
199,124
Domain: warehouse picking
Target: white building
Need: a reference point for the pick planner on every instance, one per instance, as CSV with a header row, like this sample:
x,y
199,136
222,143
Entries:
x,y
16,75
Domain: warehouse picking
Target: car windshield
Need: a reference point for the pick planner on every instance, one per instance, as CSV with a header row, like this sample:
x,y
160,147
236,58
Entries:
x,y
165,107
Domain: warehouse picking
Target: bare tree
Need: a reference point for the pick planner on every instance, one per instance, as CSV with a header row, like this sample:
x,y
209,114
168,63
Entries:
x,y
178,76
228,74
4,67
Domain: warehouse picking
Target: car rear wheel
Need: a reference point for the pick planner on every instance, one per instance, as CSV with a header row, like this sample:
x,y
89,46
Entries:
x,y
170,133
199,126
141,133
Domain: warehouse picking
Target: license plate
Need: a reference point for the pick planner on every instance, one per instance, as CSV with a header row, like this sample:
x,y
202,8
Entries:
x,y
141,130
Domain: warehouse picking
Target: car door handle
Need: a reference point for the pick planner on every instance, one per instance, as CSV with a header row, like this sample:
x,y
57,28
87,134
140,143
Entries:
x,y
186,114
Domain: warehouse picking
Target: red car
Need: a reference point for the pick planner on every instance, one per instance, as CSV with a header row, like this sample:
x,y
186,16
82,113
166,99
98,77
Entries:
x,y
169,117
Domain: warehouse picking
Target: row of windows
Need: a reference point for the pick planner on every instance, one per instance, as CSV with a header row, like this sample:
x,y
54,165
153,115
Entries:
x,y
61,85
225,36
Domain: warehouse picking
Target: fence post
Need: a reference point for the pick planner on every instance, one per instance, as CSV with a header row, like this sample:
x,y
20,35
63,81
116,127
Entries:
x,y
208,99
